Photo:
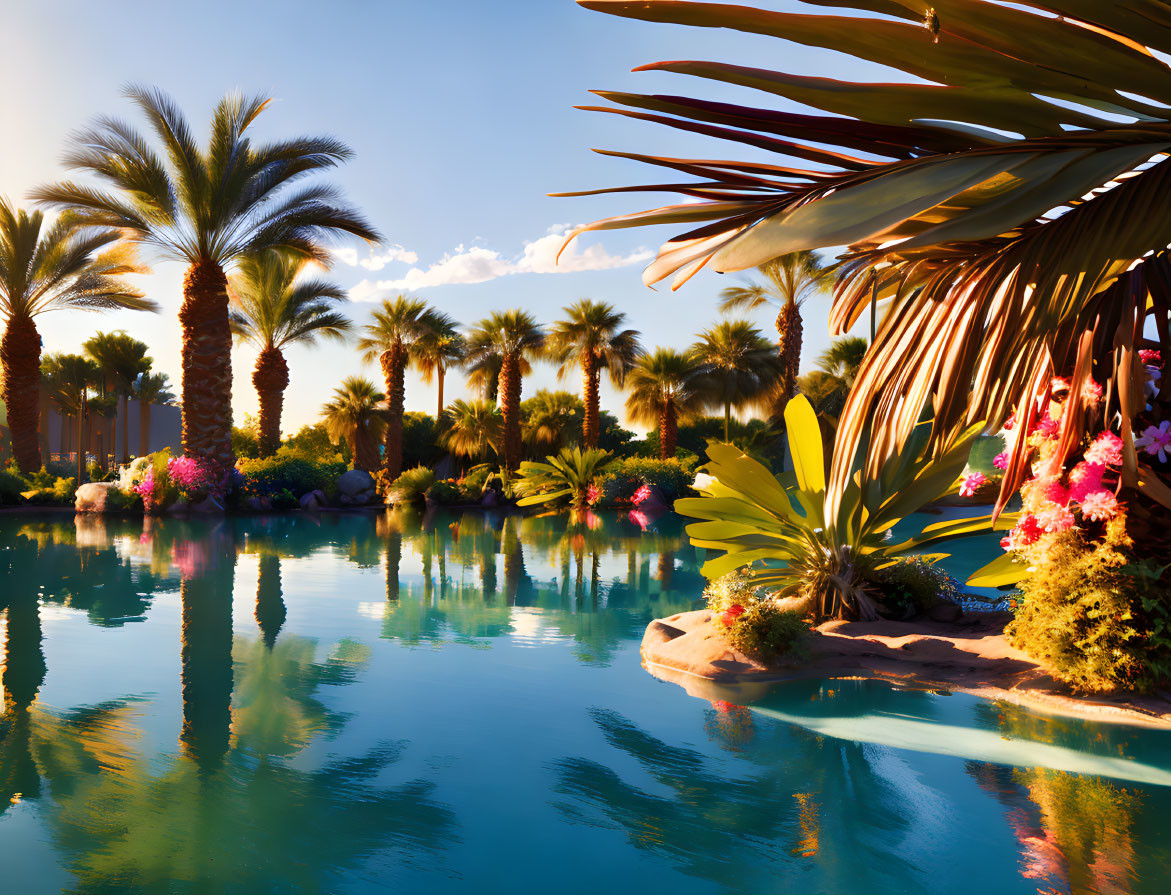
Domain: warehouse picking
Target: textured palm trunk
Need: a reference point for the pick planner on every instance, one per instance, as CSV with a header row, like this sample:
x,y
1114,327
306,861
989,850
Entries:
x,y
271,378
20,354
393,363
727,420
207,364
206,660
510,382
143,428
270,601
440,373
789,330
364,451
589,425
668,431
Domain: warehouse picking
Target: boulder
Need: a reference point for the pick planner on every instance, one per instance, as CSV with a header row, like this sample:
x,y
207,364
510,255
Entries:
x,y
209,506
310,502
178,508
355,487
94,497
946,612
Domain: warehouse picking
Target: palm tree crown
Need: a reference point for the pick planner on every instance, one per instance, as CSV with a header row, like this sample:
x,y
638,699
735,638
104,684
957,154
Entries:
x,y
476,429
592,339
737,365
121,359
354,416
150,389
664,393
439,349
68,379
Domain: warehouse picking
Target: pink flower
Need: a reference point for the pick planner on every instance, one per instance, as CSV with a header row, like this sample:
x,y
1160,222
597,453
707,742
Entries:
x,y
1056,493
1091,392
593,493
971,483
1027,532
1010,423
1098,506
1000,461
1151,357
639,518
732,613
1046,426
1055,518
1156,440
1106,449
642,494
1084,478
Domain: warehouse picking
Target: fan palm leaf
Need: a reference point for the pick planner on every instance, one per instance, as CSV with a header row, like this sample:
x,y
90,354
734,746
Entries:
x,y
355,415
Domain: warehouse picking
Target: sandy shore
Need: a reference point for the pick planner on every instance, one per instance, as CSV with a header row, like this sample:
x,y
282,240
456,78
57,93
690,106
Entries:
x,y
970,655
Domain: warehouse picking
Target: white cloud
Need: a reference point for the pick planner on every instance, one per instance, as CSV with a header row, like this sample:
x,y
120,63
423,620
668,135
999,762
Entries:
x,y
374,261
477,264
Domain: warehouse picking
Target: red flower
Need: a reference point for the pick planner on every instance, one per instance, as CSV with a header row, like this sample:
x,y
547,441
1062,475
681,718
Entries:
x,y
732,613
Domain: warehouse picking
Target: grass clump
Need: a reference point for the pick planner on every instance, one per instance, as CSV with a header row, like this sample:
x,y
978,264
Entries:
x,y
752,622
411,486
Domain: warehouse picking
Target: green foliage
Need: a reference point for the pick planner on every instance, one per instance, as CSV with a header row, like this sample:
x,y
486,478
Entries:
x,y
313,441
244,443
1098,616
290,470
567,475
445,492
11,486
60,493
912,586
472,484
799,536
762,631
412,485
693,436
421,435
622,478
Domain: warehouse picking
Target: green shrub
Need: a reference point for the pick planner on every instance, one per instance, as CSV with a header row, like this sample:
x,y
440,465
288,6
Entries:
x,y
445,492
1098,616
761,630
622,478
912,586
11,486
290,470
60,493
472,484
411,485
570,477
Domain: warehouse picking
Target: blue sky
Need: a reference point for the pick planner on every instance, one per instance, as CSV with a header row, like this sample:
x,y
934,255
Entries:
x,y
461,116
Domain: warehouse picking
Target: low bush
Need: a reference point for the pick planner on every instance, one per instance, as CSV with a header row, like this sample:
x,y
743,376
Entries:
x,y
290,470
752,621
472,485
11,486
912,586
60,493
445,492
1096,614
622,478
411,486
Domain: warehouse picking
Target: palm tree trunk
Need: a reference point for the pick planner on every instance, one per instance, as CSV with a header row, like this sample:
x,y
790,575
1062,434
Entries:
x,y
124,401
668,431
364,452
727,420
81,447
271,378
440,372
143,428
510,384
270,603
20,354
207,364
589,425
789,331
393,371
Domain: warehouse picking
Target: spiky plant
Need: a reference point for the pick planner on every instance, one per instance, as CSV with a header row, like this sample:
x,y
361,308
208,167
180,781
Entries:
x,y
45,267
356,416
276,303
663,393
591,339
737,366
206,207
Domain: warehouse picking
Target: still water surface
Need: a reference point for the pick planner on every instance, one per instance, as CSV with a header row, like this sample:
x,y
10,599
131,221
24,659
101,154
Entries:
x,y
361,703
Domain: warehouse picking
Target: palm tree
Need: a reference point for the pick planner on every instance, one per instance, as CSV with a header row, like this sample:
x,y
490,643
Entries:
x,y
45,268
440,348
354,416
207,208
275,305
68,379
121,359
476,429
843,358
592,339
789,280
663,393
827,387
737,365
399,324
150,389
548,420
516,339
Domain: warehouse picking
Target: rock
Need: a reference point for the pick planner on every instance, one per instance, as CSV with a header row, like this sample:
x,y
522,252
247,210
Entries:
x,y
310,502
94,497
209,506
259,504
178,508
355,487
659,631
490,499
946,612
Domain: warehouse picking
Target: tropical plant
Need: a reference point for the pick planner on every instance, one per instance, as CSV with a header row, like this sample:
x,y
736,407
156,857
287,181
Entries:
x,y
274,305
476,429
571,473
121,360
664,393
150,389
438,350
736,367
355,417
789,280
399,325
1008,201
43,268
206,207
68,379
516,340
591,339
752,621
798,538
549,420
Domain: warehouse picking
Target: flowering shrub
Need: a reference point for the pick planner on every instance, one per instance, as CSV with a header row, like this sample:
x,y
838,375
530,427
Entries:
x,y
292,470
911,586
593,494
971,483
195,477
624,479
751,620
641,495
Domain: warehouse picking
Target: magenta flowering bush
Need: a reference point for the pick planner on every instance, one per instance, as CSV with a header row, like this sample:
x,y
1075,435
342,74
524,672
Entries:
x,y
195,477
971,483
641,495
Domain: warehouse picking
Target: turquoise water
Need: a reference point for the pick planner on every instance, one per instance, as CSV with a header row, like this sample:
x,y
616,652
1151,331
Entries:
x,y
360,703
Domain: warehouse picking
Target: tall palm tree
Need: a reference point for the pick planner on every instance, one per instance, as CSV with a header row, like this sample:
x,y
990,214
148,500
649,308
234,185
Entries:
x,y
476,429
68,379
355,417
844,357
44,268
737,365
789,280
399,324
206,207
516,339
150,389
439,349
591,338
274,305
121,359
663,393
